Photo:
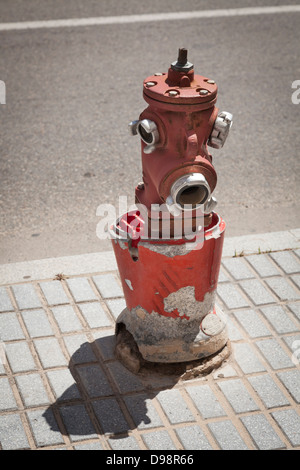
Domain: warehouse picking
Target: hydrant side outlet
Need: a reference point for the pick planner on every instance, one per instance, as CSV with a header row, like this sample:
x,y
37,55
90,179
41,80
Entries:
x,y
169,275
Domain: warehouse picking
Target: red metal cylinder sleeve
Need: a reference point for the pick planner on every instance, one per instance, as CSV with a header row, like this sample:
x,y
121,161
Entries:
x,y
169,288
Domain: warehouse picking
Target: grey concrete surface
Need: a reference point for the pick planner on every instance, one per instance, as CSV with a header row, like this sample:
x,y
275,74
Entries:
x,y
61,386
71,92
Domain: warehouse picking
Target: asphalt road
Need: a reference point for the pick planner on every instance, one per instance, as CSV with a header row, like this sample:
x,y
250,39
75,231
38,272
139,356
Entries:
x,y
70,93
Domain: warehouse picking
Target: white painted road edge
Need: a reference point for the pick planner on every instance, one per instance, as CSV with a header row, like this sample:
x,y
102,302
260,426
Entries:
x,y
91,263
125,19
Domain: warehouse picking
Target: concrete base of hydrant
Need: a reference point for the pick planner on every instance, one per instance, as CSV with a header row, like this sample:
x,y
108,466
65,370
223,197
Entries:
x,y
165,339
128,353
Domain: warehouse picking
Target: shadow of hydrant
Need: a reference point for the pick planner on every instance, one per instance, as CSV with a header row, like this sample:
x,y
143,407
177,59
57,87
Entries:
x,y
103,396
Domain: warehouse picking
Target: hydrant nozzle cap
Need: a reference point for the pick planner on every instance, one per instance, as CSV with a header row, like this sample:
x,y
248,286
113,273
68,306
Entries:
x,y
182,64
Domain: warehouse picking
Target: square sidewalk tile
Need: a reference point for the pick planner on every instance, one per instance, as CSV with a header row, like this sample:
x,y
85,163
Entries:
x,y
7,399
262,433
237,268
95,315
10,328
44,427
79,349
20,357
263,265
110,416
63,385
175,406
287,261
158,440
32,390
142,411
66,318
206,401
231,296
37,323
274,354
268,391
193,438
50,352
125,443
108,286
94,380
12,433
5,302
247,359
26,296
78,423
283,289
252,323
227,436
289,422
238,396
54,292
279,319
257,292
81,289
291,381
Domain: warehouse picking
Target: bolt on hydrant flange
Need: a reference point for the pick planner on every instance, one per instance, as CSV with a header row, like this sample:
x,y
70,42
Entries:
x,y
169,249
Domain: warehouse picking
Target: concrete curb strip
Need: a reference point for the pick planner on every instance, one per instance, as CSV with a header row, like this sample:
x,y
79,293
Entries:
x,y
262,242
48,268
105,261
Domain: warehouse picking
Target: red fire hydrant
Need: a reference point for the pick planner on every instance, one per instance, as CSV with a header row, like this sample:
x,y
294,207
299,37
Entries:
x,y
169,249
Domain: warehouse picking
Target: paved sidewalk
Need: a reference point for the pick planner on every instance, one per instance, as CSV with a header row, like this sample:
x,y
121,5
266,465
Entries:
x,y
62,388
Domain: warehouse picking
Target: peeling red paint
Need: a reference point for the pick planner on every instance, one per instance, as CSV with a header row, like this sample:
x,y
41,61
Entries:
x,y
154,275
